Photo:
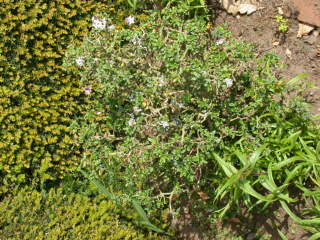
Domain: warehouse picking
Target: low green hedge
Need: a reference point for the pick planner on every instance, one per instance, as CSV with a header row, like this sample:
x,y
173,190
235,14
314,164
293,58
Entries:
x,y
57,215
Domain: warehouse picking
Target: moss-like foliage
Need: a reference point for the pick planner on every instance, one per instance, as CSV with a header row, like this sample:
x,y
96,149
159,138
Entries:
x,y
37,98
38,215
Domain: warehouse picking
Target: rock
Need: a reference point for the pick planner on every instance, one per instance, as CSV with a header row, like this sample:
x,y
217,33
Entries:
x,y
288,53
247,9
304,30
280,11
239,6
308,10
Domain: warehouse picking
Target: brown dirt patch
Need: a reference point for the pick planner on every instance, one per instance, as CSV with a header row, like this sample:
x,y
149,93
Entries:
x,y
261,29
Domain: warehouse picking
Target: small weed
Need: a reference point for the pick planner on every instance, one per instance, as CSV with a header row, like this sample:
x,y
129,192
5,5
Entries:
x,y
282,23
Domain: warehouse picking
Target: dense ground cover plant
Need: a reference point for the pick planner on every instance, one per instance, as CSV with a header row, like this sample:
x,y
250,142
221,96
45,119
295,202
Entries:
x,y
37,98
182,111
29,214
198,7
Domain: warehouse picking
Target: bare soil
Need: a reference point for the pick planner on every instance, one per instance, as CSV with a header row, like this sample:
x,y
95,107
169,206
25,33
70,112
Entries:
x,y
261,29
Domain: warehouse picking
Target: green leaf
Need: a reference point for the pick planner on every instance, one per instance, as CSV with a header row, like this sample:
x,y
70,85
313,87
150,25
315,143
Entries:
x,y
315,236
298,78
281,234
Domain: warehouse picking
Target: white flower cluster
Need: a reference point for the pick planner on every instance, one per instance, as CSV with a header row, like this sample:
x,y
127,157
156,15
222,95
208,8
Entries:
x,y
164,124
80,61
220,41
137,110
87,90
228,82
129,20
136,40
132,122
99,23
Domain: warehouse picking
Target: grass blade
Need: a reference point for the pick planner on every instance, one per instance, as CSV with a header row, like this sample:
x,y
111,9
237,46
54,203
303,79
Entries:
x,y
298,78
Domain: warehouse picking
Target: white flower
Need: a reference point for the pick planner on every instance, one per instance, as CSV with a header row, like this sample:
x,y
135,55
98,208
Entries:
x,y
111,27
131,122
129,20
220,41
80,61
164,124
228,82
161,82
99,23
87,90
136,109
136,40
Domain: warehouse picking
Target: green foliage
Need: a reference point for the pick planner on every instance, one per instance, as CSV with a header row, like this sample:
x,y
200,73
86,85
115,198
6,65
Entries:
x,y
38,98
194,7
282,23
55,215
171,97
143,219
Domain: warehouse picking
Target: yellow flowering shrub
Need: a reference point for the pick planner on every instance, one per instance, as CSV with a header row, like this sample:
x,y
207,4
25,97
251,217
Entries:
x,y
38,98
55,215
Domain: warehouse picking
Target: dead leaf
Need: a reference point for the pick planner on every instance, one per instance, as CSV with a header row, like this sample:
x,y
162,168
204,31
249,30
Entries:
x,y
203,196
304,30
234,220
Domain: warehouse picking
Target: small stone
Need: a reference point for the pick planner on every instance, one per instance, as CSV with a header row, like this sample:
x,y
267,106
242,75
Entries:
x,y
247,9
304,30
288,53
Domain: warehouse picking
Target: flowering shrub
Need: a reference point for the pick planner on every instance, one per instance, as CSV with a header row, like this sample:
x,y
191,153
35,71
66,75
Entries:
x,y
37,98
169,93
